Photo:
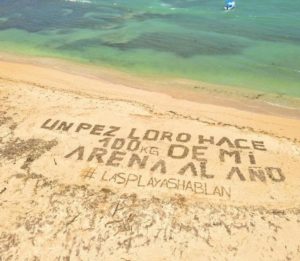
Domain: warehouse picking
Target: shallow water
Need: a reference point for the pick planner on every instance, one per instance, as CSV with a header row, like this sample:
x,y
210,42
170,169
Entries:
x,y
256,46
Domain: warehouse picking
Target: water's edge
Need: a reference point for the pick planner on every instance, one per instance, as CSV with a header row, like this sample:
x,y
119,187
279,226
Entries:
x,y
228,96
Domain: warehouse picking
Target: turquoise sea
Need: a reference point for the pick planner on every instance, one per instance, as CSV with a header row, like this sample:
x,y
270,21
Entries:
x,y
255,46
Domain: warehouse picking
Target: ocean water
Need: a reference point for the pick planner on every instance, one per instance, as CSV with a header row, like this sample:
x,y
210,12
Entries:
x,y
255,46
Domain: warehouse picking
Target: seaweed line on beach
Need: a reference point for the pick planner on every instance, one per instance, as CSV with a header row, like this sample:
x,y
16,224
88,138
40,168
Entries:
x,y
30,149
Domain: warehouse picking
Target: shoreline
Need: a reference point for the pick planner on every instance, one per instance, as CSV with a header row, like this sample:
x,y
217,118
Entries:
x,y
181,89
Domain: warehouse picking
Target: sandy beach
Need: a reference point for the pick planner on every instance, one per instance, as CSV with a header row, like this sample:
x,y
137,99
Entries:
x,y
99,166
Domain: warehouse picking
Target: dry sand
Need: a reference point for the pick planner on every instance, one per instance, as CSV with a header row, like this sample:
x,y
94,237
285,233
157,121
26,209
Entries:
x,y
91,169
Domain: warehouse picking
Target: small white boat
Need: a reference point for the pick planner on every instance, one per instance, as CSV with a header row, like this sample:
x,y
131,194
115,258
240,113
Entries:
x,y
229,4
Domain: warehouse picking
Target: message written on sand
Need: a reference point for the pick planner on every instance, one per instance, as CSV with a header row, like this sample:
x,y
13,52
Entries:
x,y
203,164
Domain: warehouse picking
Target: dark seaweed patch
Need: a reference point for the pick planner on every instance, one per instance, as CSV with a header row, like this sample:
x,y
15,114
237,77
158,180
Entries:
x,y
31,149
149,16
79,45
35,16
184,45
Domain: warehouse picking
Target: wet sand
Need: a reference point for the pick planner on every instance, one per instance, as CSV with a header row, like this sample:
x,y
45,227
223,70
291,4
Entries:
x,y
98,166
